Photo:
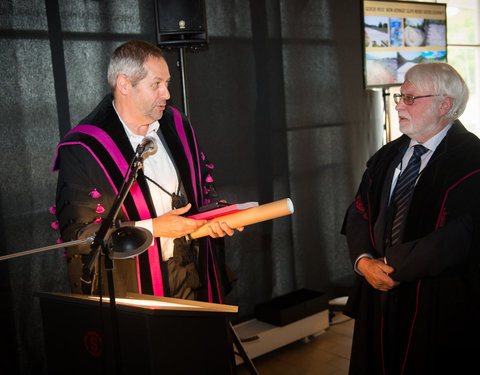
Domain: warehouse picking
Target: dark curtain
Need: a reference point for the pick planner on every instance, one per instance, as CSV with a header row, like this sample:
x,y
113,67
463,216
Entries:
x,y
278,104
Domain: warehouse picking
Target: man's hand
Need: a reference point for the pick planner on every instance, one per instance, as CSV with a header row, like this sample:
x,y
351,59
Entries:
x,y
376,273
173,225
221,229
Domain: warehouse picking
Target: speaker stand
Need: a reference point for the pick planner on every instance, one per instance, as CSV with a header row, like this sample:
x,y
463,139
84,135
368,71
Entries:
x,y
181,58
238,344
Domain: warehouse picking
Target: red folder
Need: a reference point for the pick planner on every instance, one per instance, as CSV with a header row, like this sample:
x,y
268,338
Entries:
x,y
223,211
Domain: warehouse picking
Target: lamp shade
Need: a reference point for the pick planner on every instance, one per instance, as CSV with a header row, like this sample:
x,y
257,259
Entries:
x,y
129,241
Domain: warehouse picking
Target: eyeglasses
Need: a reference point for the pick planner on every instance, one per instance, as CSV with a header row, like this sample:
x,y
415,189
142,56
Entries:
x,y
408,99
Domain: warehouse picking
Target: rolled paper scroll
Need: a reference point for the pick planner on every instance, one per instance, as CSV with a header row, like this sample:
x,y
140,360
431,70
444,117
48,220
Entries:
x,y
249,216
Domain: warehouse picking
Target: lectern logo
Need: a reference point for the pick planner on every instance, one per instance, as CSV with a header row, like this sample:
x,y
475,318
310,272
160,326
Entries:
x,y
93,343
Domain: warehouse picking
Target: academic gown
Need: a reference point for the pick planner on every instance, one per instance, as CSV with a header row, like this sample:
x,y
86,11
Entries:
x,y
430,323
92,161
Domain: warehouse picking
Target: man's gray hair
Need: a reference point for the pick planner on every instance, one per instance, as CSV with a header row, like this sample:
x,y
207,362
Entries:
x,y
129,59
444,80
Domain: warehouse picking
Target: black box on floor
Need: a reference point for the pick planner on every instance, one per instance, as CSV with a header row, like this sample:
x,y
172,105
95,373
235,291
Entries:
x,y
291,307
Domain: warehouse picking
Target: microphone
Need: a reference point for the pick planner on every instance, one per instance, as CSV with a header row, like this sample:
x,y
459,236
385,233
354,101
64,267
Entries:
x,y
147,145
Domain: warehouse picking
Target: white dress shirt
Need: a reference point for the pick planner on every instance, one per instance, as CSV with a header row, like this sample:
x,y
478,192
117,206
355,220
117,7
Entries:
x,y
431,145
160,168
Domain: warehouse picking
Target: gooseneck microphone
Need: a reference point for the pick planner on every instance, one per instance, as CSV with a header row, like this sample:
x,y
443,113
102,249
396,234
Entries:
x,y
147,145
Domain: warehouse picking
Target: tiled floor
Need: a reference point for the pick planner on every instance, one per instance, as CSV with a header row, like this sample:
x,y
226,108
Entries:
x,y
327,354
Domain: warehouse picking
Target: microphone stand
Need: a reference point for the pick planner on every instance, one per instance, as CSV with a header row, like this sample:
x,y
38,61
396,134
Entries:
x,y
100,244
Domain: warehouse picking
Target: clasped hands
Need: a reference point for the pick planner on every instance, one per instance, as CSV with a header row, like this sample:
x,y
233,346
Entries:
x,y
174,225
377,272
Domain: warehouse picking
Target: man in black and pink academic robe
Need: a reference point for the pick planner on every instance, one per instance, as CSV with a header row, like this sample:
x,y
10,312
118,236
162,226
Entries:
x,y
175,182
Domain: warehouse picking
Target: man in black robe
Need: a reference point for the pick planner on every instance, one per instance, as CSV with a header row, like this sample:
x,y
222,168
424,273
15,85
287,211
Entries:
x,y
176,181
416,299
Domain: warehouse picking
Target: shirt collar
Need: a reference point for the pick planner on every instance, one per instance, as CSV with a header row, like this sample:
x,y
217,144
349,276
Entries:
x,y
433,142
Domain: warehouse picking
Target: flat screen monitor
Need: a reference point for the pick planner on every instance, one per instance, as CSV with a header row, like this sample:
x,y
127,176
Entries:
x,y
398,35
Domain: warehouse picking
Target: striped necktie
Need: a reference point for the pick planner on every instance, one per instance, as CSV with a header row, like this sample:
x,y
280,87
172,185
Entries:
x,y
404,189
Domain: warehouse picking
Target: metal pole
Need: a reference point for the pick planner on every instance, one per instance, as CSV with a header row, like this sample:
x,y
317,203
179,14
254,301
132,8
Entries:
x,y
386,106
184,82
51,247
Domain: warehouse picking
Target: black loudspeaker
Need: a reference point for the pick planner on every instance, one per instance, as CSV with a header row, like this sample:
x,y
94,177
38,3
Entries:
x,y
181,23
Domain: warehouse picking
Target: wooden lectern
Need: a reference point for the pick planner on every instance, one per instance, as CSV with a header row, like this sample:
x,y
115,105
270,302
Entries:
x,y
157,335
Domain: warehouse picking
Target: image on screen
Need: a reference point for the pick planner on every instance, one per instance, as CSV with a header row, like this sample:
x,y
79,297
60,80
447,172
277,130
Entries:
x,y
398,35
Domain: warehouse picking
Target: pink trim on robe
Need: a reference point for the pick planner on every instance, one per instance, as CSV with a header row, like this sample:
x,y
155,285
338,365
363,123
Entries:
x,y
198,194
139,199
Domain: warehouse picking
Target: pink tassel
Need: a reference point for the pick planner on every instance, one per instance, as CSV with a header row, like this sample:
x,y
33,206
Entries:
x,y
203,155
59,240
53,209
209,179
95,194
54,225
99,209
98,220
64,255
209,166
